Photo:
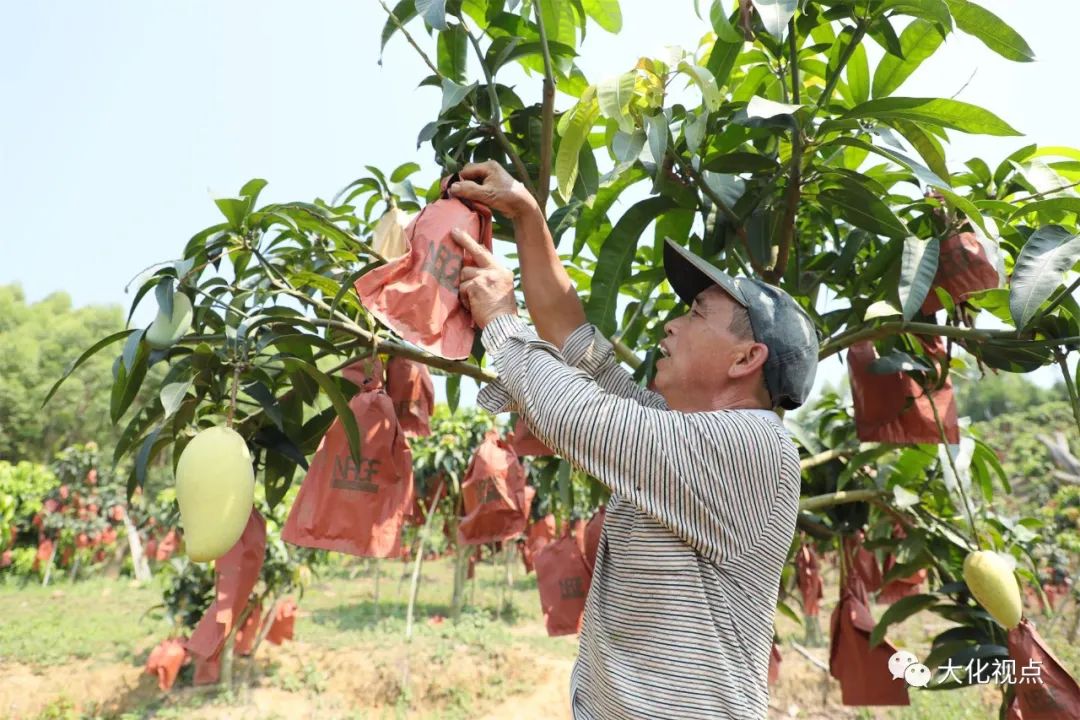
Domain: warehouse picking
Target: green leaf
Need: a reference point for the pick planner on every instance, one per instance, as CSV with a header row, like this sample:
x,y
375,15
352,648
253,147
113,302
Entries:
x,y
277,477
453,392
760,107
923,173
858,75
143,458
961,203
721,23
722,60
341,405
705,81
899,611
172,396
775,15
919,41
404,11
614,95
1012,355
452,53
863,209
904,498
128,380
616,258
994,32
656,127
164,295
1052,206
934,10
928,146
261,394
954,114
403,171
919,265
234,210
576,134
1048,254
606,13
453,94
433,12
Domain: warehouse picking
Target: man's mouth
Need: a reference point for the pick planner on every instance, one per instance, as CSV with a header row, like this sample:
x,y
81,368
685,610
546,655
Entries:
x,y
664,352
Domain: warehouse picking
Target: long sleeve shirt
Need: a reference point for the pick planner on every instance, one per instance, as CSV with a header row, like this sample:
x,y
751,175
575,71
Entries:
x,y
679,617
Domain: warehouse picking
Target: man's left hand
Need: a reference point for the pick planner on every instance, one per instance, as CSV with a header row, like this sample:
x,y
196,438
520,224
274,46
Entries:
x,y
487,288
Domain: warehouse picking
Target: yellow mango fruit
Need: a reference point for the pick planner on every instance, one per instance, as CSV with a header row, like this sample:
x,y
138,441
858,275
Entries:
x,y
991,581
389,237
215,487
167,329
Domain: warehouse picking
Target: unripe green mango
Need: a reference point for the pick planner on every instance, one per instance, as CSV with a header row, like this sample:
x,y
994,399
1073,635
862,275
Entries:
x,y
992,583
215,487
166,330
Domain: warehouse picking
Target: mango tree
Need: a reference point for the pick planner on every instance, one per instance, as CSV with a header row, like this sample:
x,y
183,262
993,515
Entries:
x,y
771,145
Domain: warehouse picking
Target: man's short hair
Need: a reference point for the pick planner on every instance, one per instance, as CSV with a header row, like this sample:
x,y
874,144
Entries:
x,y
740,323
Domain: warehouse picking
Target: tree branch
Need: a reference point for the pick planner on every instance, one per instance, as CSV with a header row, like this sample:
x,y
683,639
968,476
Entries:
x,y
842,497
794,186
547,117
830,84
851,337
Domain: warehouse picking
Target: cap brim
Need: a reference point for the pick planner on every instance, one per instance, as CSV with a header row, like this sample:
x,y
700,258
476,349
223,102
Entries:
x,y
690,274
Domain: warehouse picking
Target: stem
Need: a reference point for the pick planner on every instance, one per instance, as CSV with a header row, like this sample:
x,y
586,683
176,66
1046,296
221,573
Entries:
x,y
717,202
955,472
232,398
830,455
547,116
830,85
503,141
841,497
414,587
897,327
794,187
1055,302
1062,360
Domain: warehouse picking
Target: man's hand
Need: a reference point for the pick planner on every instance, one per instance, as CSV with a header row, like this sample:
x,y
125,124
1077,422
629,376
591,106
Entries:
x,y
487,288
489,184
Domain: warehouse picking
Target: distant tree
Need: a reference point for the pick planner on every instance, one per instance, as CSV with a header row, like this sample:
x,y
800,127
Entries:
x,y
988,397
36,342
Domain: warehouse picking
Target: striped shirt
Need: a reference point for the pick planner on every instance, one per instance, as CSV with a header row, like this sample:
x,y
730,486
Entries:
x,y
679,618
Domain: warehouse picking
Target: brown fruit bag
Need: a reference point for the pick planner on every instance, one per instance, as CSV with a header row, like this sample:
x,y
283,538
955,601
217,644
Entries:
x,y
357,509
496,506
863,671
593,530
901,587
963,270
1054,694
808,577
563,579
409,386
284,622
248,632
236,573
525,443
165,661
774,664
862,562
416,294
537,536
893,408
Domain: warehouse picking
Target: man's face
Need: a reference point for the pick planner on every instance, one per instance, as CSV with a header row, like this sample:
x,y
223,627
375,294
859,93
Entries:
x,y
702,359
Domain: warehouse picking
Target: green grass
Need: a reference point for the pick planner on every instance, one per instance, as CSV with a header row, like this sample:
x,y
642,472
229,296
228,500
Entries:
x,y
99,618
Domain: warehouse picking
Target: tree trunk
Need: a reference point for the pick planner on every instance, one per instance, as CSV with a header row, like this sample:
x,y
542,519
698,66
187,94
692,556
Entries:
x,y
139,563
461,576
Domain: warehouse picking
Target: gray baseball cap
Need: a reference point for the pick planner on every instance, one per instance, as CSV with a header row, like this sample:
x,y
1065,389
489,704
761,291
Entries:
x,y
776,319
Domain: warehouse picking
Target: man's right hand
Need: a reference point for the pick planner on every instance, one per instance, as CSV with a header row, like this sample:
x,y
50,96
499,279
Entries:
x,y
489,184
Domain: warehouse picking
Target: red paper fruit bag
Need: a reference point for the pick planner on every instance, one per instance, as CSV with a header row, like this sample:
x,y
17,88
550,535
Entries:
x,y
808,575
236,573
409,385
350,508
563,579
165,661
525,443
774,664
893,408
283,622
537,536
416,294
963,270
493,494
1045,690
863,671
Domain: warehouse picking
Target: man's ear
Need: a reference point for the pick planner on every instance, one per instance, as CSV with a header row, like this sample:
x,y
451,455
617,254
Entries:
x,y
750,360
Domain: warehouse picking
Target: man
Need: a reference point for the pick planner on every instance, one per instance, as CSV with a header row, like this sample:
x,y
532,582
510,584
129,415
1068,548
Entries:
x,y
704,478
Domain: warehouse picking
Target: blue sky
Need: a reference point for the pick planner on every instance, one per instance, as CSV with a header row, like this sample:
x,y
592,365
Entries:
x,y
123,119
